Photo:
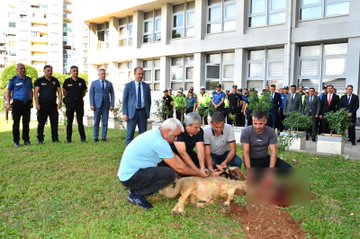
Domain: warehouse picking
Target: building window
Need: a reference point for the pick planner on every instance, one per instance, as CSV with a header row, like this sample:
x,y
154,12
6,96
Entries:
x,y
182,72
265,67
316,9
152,73
152,26
12,24
183,20
125,31
267,12
103,35
323,64
125,74
219,69
221,15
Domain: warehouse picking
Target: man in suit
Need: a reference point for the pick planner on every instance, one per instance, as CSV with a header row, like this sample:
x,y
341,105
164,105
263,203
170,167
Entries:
x,y
312,109
293,101
329,103
102,99
274,111
350,102
136,105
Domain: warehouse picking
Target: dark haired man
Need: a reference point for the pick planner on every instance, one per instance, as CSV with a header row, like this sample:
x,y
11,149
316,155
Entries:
x,y
312,109
74,89
256,141
47,90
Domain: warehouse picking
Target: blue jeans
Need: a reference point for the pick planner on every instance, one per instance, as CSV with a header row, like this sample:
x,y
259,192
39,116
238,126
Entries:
x,y
218,159
103,114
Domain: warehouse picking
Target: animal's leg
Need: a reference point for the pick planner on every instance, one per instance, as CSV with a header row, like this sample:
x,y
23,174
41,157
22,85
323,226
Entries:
x,y
182,200
230,196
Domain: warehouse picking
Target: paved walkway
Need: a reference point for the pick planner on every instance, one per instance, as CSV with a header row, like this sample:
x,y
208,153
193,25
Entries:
x,y
350,151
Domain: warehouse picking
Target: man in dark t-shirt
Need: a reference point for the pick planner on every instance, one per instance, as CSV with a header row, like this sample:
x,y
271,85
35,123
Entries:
x,y
192,137
256,140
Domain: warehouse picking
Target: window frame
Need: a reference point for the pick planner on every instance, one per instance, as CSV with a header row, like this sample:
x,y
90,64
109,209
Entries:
x,y
222,21
126,41
221,80
185,82
267,13
153,68
155,34
323,5
185,27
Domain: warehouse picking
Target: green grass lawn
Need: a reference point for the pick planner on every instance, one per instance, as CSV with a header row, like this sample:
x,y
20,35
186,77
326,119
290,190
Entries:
x,y
72,191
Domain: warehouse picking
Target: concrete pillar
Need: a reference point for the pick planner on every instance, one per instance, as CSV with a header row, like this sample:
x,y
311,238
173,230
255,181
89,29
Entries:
x,y
138,18
200,20
166,14
165,72
353,64
240,68
199,71
113,33
290,72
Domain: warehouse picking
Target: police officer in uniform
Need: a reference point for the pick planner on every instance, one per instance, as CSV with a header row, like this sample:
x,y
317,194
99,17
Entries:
x,y
20,89
47,89
74,89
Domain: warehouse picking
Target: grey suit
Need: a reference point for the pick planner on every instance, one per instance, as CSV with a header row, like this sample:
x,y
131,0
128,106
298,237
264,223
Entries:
x,y
293,104
312,109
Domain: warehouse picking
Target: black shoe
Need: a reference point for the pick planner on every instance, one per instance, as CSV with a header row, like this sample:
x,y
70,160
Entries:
x,y
96,140
16,145
41,142
68,141
358,140
313,139
27,143
104,140
353,143
56,141
83,141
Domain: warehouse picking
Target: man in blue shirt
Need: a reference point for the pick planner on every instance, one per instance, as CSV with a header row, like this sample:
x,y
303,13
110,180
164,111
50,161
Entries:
x,y
218,99
20,89
139,169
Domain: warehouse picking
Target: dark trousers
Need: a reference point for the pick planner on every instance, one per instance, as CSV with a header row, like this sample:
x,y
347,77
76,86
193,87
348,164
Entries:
x,y
280,125
150,180
102,114
42,115
249,117
180,115
351,131
265,162
139,119
70,111
21,109
325,126
204,118
240,119
314,129
272,119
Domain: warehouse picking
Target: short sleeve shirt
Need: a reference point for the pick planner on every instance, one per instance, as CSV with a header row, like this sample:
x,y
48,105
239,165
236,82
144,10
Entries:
x,y
219,145
146,150
190,141
259,143
47,90
20,88
75,89
218,97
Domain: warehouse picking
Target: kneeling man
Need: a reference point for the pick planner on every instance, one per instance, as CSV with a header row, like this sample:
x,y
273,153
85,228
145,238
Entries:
x,y
220,144
256,140
139,170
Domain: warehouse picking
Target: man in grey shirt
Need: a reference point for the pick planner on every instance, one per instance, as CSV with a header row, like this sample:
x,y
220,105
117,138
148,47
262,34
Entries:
x,y
220,145
256,140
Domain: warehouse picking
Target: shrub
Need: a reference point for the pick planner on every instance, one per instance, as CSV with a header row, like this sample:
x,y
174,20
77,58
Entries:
x,y
10,71
162,111
338,121
297,121
262,104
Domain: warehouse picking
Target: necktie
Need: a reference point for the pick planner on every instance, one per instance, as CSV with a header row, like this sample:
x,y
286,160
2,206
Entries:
x,y
103,85
139,96
311,99
329,100
349,99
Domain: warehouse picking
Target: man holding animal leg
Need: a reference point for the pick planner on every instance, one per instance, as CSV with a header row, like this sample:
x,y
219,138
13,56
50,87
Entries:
x,y
139,170
192,137
220,145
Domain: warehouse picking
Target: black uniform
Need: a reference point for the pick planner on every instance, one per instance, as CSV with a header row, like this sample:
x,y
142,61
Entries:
x,y
169,107
234,108
74,103
48,107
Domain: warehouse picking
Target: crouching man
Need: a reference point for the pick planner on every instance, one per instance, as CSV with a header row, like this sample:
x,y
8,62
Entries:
x,y
220,144
139,170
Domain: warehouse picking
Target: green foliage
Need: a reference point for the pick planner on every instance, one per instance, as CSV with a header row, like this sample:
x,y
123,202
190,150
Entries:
x,y
61,77
180,103
10,71
285,141
262,104
162,111
117,114
85,77
296,121
338,121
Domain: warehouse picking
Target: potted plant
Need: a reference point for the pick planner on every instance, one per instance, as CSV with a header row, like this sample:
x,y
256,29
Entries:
x,y
118,122
180,104
297,124
262,103
333,143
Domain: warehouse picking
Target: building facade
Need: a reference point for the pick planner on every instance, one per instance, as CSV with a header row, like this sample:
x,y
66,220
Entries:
x,y
250,43
37,33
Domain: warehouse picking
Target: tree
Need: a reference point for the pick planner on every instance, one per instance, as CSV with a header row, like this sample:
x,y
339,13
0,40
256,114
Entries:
x,y
10,72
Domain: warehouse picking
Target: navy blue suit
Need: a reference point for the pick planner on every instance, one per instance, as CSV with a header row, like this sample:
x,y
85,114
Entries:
x,y
274,112
102,100
137,116
351,107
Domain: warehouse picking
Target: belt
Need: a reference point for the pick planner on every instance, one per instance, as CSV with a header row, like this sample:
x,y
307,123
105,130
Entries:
x,y
141,108
21,101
